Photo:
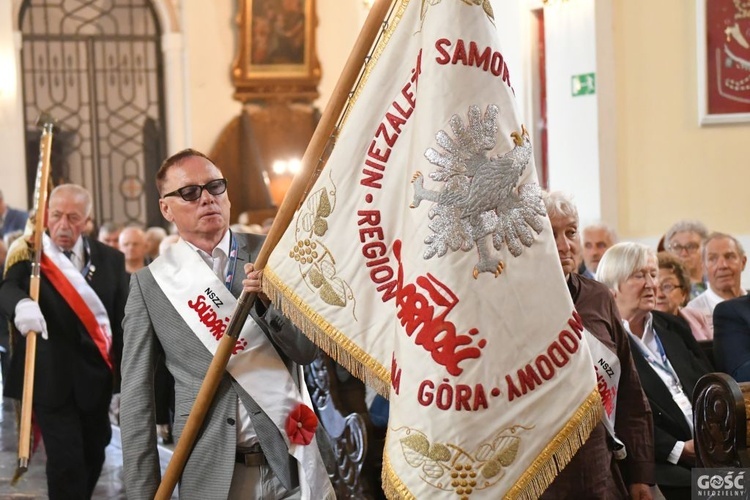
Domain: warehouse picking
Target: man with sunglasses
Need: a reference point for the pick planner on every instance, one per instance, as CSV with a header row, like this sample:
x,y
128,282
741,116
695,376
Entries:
x,y
253,442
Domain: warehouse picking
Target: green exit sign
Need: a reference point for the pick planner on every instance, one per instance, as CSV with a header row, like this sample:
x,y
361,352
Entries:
x,y
584,84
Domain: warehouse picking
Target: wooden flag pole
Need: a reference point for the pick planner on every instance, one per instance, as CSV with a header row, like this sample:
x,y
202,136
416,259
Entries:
x,y
310,168
46,123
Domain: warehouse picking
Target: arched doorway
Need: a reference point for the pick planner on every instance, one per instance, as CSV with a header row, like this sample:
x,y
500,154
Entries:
x,y
96,67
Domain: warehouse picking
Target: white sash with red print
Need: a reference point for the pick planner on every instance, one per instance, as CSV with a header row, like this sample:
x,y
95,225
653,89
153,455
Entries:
x,y
607,366
205,304
78,294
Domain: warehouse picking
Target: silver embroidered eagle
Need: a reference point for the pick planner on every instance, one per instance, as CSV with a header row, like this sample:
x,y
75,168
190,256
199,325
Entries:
x,y
480,201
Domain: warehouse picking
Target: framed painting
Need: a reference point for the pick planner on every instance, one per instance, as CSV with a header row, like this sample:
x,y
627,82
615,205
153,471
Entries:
x,y
276,56
723,34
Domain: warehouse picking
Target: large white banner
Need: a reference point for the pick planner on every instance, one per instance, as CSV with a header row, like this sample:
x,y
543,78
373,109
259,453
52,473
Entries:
x,y
423,261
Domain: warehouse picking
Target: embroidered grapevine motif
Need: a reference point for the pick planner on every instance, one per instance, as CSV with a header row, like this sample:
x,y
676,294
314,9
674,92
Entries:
x,y
316,262
450,468
481,202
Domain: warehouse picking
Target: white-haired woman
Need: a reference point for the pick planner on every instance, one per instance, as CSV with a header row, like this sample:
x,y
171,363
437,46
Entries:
x,y
595,471
668,359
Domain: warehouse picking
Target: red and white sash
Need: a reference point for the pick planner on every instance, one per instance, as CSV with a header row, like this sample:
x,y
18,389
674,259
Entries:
x,y
607,366
78,294
205,304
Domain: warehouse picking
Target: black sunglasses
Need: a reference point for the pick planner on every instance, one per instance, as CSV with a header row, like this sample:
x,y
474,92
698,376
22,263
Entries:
x,y
194,191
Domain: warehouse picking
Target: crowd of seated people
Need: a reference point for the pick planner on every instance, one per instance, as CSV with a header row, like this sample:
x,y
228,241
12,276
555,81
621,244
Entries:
x,y
667,356
686,315
678,310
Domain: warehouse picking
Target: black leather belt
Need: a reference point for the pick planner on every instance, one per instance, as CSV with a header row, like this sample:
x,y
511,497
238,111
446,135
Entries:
x,y
251,458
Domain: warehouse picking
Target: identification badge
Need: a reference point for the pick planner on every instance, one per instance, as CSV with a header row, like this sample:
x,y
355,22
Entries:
x,y
684,403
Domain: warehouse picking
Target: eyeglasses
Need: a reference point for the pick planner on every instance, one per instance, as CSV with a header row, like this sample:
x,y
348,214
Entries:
x,y
689,248
667,288
194,191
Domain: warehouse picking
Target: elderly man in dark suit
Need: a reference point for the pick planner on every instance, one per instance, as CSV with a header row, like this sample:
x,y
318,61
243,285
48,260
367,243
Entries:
x,y
179,307
732,337
79,313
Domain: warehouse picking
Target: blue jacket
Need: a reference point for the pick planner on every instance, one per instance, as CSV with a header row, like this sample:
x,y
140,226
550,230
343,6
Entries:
x,y
14,220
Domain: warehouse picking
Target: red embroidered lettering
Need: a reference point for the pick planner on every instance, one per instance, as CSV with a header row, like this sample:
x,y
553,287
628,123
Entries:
x,y
484,59
417,313
445,57
395,375
463,394
208,317
446,397
480,400
479,60
513,391
424,396
544,367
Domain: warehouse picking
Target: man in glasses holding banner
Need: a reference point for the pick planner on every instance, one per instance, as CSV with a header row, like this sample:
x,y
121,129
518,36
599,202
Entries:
x,y
79,316
258,440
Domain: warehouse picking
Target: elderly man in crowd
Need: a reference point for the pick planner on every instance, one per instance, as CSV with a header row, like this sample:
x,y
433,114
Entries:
x,y
685,239
132,243
624,438
109,234
154,237
724,260
596,239
79,315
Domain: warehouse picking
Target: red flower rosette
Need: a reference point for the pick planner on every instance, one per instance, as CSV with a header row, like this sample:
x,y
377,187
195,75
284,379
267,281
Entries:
x,y
301,425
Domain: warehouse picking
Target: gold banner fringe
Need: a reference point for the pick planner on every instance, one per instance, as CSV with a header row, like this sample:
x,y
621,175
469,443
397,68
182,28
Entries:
x,y
559,452
393,487
19,250
545,467
337,345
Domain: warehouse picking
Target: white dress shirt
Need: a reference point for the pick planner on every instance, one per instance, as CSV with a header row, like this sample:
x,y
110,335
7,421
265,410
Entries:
x,y
218,261
77,258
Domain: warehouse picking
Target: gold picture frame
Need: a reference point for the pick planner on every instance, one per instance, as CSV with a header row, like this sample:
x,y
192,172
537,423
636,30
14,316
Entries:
x,y
276,56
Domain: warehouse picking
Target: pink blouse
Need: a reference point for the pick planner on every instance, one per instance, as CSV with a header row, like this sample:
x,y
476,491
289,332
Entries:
x,y
699,324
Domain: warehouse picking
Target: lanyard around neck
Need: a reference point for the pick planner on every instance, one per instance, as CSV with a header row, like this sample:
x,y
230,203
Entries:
x,y
229,280
663,363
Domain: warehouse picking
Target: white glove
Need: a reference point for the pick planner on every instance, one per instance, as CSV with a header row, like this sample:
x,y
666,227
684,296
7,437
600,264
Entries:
x,y
29,318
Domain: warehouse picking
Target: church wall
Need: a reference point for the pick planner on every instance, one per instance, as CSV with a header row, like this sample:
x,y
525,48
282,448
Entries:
x,y
669,167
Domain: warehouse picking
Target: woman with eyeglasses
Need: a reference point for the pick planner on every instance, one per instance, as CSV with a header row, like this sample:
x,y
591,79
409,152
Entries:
x,y
667,357
673,292
684,239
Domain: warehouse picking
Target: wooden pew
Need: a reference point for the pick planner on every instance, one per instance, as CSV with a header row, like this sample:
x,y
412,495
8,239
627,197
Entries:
x,y
720,417
342,413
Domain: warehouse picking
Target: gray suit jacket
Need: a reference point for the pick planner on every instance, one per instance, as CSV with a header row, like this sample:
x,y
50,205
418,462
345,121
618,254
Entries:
x,y
150,325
